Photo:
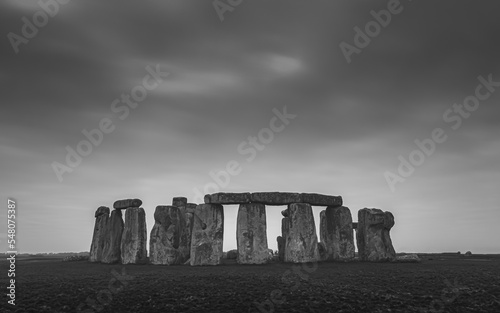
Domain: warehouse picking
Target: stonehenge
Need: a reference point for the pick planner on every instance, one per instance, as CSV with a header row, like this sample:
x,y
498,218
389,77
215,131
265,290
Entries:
x,y
188,233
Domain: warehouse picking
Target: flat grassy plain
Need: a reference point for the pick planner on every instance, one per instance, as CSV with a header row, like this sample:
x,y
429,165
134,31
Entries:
x,y
440,283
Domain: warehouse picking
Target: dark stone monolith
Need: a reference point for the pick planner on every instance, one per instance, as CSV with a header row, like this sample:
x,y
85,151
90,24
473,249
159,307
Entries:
x,y
338,233
99,235
301,242
251,235
208,235
134,238
168,239
372,234
112,246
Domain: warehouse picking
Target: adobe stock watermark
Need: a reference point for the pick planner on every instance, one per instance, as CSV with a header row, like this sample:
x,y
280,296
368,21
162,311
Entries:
x,y
448,295
250,148
294,277
120,106
223,6
363,37
31,27
104,297
453,116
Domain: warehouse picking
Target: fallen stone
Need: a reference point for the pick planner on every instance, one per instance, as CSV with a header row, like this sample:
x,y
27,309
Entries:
x,y
168,239
208,235
99,235
320,200
301,242
112,246
227,198
339,235
275,198
127,203
251,235
374,241
133,245
409,258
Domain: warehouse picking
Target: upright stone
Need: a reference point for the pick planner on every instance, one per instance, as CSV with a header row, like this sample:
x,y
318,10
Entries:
x,y
181,203
190,208
133,245
112,245
322,227
99,236
372,234
338,234
301,242
284,234
208,235
251,235
168,240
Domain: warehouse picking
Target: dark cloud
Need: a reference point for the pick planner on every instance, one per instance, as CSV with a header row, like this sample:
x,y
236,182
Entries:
x,y
225,78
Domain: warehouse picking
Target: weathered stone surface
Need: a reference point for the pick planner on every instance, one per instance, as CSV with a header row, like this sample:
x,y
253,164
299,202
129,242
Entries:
x,y
228,198
374,241
322,227
284,213
338,235
281,248
99,236
112,245
133,245
208,235
320,200
168,239
232,254
251,234
323,253
102,210
181,203
191,207
301,242
275,198
127,203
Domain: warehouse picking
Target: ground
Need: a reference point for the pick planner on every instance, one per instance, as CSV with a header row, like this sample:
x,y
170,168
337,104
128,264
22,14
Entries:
x,y
440,283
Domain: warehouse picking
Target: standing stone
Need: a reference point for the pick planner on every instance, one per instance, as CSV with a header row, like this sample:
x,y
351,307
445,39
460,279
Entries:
x,y
208,235
191,207
301,241
133,246
114,231
181,203
168,240
322,227
281,248
251,235
99,236
372,234
338,233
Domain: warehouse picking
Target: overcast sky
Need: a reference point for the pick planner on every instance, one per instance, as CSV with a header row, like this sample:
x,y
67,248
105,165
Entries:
x,y
353,113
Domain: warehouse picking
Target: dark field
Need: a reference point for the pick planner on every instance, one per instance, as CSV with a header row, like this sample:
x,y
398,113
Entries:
x,y
440,283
